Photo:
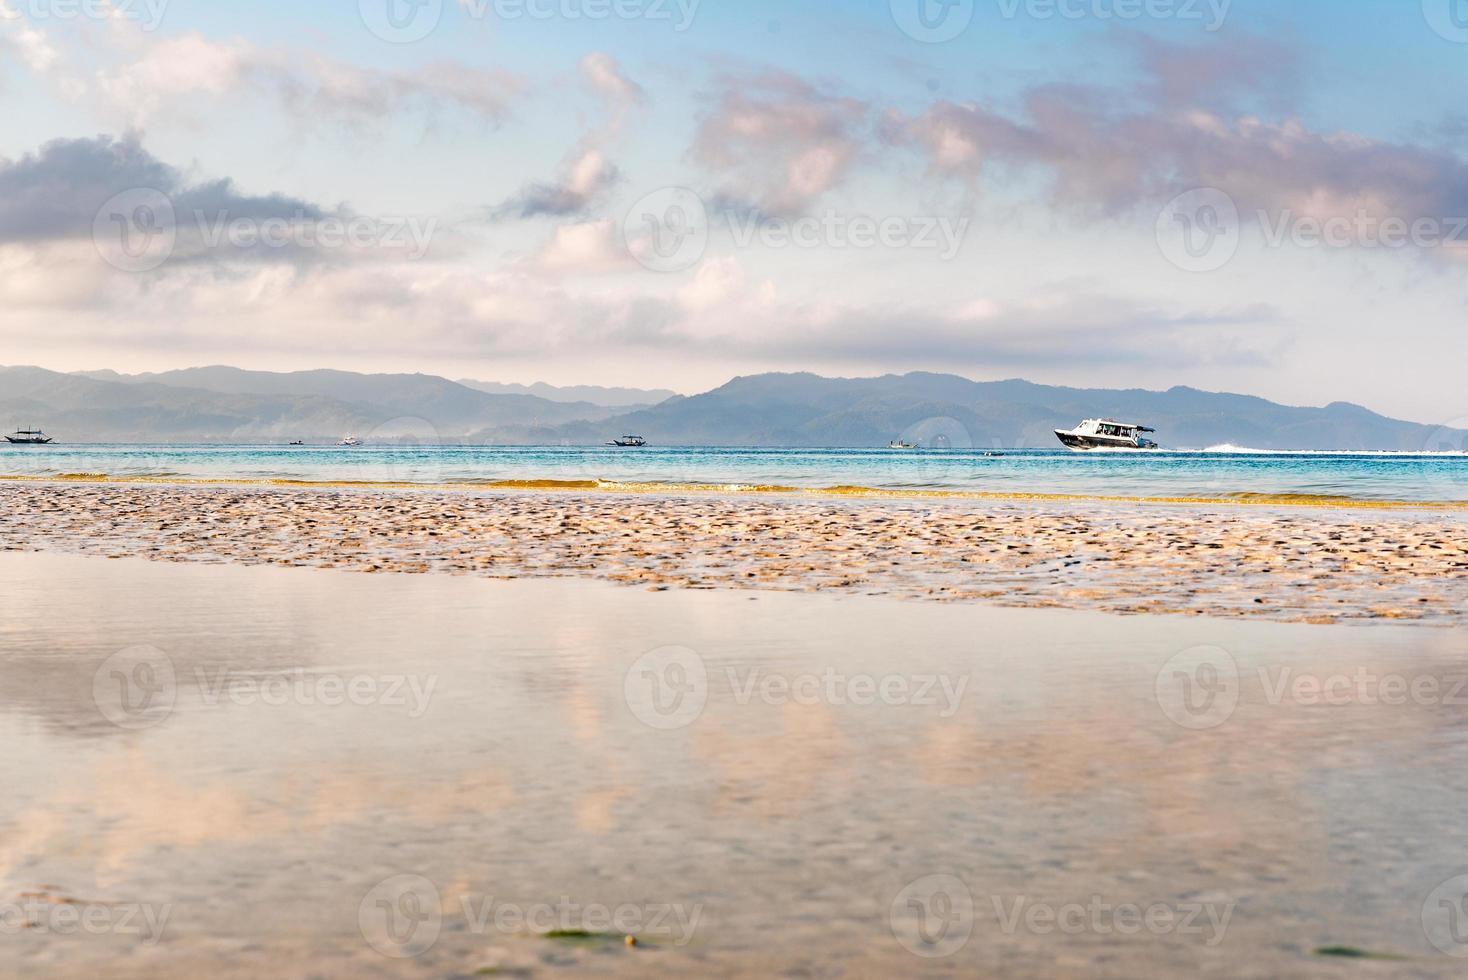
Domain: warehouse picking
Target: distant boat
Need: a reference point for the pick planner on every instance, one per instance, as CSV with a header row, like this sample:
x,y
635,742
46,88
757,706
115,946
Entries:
x,y
899,444
1106,434
298,443
29,437
350,441
629,442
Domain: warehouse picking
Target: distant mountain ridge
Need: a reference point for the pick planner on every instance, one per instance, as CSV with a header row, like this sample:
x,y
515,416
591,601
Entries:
x,y
810,410
627,398
225,404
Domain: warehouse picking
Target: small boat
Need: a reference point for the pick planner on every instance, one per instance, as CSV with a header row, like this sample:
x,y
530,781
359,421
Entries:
x,y
899,444
1106,434
350,441
29,437
629,442
298,442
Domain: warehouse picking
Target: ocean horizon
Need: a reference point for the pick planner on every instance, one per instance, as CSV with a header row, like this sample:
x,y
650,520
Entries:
x,y
1220,473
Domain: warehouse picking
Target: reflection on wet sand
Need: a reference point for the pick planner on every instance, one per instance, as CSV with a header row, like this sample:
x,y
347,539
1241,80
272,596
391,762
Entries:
x,y
789,818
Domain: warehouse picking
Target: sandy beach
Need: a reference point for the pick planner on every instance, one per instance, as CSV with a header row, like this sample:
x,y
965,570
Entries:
x,y
1291,564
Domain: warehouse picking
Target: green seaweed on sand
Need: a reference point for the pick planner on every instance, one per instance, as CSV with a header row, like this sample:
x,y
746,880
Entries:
x,y
578,936
1352,953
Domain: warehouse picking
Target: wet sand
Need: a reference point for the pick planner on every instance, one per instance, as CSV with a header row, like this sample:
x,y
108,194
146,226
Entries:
x,y
574,745
1279,563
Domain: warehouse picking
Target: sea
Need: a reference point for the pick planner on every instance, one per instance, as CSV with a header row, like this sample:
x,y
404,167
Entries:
x,y
1226,472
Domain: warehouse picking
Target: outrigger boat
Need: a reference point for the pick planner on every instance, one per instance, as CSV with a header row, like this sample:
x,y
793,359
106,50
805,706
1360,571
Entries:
x,y
1106,434
29,437
629,442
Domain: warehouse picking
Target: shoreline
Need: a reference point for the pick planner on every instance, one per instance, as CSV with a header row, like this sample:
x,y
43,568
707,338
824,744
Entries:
x,y
1239,499
1290,565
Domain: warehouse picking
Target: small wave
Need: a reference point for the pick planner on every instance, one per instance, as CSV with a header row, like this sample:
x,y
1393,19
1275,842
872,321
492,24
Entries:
x,y
1231,449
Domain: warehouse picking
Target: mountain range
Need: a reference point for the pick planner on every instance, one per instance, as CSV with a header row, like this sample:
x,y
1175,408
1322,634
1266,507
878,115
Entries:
x,y
225,404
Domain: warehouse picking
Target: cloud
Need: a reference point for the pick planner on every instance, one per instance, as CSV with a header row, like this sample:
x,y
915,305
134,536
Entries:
x,y
29,44
586,176
603,73
1107,151
56,192
778,142
145,77
584,179
587,248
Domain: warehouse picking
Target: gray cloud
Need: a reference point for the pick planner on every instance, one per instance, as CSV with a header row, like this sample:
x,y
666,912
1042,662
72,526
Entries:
x,y
55,193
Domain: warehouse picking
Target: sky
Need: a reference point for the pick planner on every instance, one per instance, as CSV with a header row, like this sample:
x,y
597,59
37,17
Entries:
x,y
1236,195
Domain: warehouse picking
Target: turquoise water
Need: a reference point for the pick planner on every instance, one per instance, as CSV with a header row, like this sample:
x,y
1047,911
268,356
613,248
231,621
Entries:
x,y
1367,476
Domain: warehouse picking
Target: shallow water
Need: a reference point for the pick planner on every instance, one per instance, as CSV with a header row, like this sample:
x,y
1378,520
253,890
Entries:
x,y
175,747
1438,476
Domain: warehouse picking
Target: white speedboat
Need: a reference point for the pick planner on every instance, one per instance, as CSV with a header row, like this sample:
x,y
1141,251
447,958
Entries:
x,y
350,441
900,444
1106,434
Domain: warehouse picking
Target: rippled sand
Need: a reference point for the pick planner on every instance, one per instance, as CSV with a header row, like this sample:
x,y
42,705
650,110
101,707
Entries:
x,y
1289,564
